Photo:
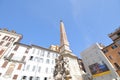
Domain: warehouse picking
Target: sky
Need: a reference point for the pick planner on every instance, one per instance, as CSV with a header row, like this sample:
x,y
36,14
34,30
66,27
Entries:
x,y
86,21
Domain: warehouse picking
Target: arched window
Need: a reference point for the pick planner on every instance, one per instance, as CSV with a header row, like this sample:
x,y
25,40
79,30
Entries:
x,y
12,39
5,38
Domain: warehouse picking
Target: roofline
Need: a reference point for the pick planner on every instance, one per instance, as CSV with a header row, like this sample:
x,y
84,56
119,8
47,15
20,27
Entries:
x,y
22,44
10,32
43,48
114,32
108,45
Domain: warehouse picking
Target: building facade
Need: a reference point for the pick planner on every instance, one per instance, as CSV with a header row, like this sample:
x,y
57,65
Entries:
x,y
40,64
96,64
14,62
25,62
112,51
7,41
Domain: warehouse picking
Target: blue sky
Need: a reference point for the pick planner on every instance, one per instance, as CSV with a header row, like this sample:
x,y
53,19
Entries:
x,y
86,21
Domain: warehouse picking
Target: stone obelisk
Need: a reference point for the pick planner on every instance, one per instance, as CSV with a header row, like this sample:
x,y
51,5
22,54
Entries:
x,y
67,67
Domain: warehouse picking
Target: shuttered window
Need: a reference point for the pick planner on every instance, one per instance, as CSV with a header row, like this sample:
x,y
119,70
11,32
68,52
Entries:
x,y
5,38
23,58
26,51
1,42
16,48
15,76
12,39
7,44
19,67
5,64
11,55
1,51
10,69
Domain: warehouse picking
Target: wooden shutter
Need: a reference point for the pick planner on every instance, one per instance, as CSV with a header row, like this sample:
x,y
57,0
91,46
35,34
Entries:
x,y
1,52
11,55
19,67
5,64
1,42
15,76
10,69
7,44
16,47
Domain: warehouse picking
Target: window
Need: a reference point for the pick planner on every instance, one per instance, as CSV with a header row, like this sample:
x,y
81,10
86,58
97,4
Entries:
x,y
114,46
52,61
56,55
31,58
28,66
45,78
1,52
37,78
7,44
110,57
52,70
53,55
1,43
23,58
47,61
10,69
33,51
38,52
19,67
33,69
42,53
31,78
117,66
118,34
48,55
105,50
41,60
15,76
5,38
46,70
10,56
16,48
39,69
36,59
118,42
12,39
26,51
24,77
5,64
119,53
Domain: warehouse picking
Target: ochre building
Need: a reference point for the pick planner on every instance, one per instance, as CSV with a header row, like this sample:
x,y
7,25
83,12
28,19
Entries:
x,y
112,51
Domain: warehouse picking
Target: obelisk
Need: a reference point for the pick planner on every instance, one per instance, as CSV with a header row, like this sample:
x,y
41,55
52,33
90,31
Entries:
x,y
67,67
